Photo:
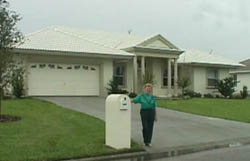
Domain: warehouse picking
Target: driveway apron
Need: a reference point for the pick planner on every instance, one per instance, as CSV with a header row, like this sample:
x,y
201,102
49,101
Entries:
x,y
172,129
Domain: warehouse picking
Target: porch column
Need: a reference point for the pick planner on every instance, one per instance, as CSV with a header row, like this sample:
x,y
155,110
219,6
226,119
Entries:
x,y
169,77
142,67
175,77
135,75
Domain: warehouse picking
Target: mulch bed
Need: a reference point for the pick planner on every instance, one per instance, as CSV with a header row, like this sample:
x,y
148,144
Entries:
x,y
9,118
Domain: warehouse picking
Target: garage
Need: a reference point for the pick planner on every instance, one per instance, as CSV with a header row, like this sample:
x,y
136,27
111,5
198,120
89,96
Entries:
x,y
50,79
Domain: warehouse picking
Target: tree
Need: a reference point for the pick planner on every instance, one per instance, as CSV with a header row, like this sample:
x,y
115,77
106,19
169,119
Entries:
x,y
183,83
226,86
10,36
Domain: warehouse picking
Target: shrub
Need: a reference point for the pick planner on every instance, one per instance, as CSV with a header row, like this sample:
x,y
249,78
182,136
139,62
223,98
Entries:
x,y
186,97
7,94
113,88
132,95
197,95
208,95
183,83
192,94
122,92
218,96
226,86
244,92
237,96
17,82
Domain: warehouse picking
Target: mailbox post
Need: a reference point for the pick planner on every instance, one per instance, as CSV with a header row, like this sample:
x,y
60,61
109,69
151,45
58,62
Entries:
x,y
118,121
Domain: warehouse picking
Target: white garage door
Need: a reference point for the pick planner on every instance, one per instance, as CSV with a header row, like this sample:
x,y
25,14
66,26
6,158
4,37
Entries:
x,y
63,80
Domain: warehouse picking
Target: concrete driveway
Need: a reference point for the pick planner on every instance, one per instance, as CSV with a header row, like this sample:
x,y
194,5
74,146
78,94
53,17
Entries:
x,y
172,129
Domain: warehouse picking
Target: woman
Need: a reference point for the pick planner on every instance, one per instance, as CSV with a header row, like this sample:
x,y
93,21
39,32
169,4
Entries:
x,y
148,112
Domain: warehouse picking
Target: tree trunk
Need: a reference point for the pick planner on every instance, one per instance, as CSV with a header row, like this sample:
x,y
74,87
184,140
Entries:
x,y
1,96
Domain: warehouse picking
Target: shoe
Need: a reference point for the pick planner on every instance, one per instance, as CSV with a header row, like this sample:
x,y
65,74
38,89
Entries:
x,y
148,144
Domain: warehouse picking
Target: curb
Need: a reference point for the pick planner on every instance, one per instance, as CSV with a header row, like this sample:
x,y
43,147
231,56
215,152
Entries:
x,y
172,151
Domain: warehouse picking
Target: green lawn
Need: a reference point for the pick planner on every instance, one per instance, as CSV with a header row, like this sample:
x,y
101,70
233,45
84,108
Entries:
x,y
232,109
49,132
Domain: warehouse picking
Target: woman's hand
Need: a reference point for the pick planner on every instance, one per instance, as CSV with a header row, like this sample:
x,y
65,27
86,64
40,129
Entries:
x,y
156,119
131,100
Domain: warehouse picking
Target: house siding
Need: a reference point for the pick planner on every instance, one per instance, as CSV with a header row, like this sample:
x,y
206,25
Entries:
x,y
244,80
186,71
129,76
200,79
106,74
157,43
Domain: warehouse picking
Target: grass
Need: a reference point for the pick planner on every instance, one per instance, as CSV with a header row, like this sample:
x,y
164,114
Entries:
x,y
232,109
49,132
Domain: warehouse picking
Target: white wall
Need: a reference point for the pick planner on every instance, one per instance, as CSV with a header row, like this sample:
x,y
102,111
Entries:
x,y
157,43
223,73
186,71
200,79
129,76
244,80
106,74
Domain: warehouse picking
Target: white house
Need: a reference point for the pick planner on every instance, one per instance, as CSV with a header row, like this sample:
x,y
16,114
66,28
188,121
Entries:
x,y
242,75
63,61
204,69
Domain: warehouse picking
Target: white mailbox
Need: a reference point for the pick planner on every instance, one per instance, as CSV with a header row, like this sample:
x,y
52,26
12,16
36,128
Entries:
x,y
118,121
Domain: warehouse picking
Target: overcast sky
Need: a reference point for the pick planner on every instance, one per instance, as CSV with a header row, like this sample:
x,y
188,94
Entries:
x,y
220,26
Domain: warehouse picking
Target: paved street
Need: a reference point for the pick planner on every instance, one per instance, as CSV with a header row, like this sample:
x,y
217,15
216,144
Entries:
x,y
172,129
227,154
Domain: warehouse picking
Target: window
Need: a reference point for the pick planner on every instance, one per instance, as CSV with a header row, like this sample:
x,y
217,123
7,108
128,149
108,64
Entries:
x,y
119,73
59,67
139,64
212,76
33,66
51,66
77,67
42,66
85,67
235,78
69,67
165,77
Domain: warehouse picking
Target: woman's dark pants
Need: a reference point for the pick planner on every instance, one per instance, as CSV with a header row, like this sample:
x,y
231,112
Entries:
x,y
147,118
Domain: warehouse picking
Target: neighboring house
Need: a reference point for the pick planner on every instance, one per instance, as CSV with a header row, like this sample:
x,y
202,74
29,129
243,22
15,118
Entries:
x,y
204,69
61,61
242,75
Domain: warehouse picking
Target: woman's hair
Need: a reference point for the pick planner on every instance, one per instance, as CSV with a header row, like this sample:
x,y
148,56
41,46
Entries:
x,y
148,84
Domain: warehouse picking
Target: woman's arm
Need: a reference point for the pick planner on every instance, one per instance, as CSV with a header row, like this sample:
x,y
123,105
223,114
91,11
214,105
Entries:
x,y
137,99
